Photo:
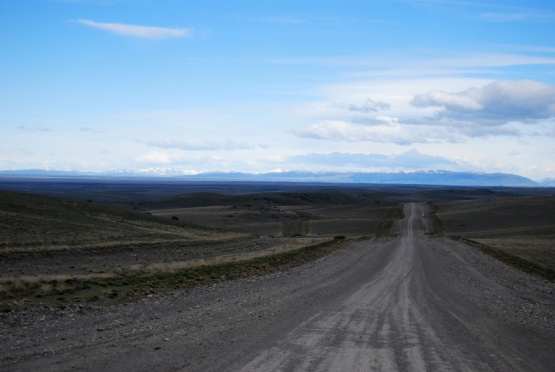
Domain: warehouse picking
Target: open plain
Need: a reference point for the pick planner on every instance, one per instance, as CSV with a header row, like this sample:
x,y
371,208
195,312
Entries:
x,y
139,276
518,230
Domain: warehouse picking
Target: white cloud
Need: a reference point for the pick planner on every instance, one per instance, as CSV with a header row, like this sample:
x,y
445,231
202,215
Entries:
x,y
39,129
394,63
387,119
90,130
454,113
447,100
227,145
409,160
386,129
145,32
159,157
187,145
391,131
497,103
368,106
231,144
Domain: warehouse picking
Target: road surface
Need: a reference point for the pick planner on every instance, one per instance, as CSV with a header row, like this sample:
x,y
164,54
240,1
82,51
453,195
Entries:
x,y
402,318
412,302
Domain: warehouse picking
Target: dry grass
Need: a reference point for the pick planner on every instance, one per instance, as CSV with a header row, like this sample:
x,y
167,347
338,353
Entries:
x,y
133,282
522,228
61,251
323,220
171,267
539,250
30,222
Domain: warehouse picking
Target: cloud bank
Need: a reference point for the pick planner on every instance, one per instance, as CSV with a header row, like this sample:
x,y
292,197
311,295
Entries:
x,y
227,145
500,108
410,160
385,130
494,104
368,106
144,32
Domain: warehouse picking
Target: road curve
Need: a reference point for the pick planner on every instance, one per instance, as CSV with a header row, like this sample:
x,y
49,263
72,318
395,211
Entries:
x,y
402,319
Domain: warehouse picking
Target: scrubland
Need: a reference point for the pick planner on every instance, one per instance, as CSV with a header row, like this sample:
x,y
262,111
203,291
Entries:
x,y
121,242
57,250
519,231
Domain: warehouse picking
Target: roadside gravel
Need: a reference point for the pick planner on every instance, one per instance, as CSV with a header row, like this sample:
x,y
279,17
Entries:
x,y
221,326
191,328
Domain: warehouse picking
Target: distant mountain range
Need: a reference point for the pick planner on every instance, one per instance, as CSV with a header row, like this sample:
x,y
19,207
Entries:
x,y
419,177
548,182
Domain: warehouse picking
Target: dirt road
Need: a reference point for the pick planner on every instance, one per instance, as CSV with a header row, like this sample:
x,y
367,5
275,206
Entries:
x,y
403,318
413,302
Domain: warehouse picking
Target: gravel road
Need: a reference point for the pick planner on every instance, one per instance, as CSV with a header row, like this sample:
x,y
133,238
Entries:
x,y
411,302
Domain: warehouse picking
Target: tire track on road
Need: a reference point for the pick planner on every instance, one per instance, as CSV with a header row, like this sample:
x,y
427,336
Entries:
x,y
394,322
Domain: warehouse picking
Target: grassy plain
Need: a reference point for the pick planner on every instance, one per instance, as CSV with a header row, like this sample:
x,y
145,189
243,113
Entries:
x,y
74,240
311,211
58,250
520,231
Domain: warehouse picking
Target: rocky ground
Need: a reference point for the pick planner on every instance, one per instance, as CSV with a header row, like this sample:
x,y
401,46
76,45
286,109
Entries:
x,y
222,325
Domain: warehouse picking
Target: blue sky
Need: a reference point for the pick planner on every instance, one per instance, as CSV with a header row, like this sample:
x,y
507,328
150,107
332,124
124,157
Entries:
x,y
257,86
